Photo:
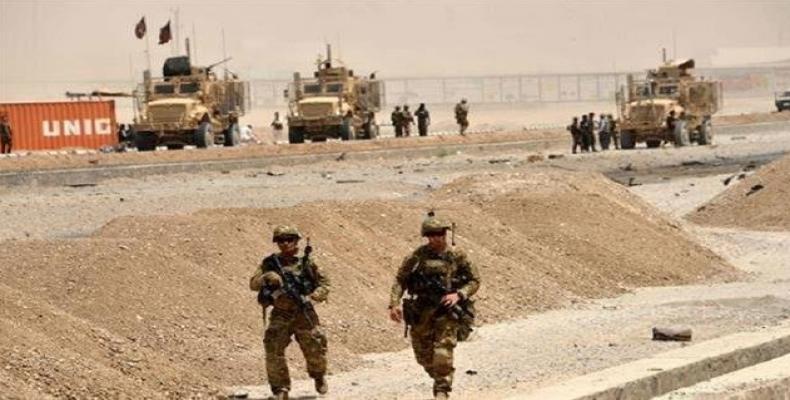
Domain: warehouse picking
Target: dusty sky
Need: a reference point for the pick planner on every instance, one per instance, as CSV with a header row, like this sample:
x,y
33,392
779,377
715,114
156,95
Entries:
x,y
57,40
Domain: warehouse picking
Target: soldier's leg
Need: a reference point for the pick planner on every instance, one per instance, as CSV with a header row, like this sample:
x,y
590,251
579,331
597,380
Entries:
x,y
313,343
446,330
275,340
422,335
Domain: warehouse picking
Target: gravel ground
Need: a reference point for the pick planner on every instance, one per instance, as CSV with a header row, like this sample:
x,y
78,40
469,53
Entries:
x,y
516,357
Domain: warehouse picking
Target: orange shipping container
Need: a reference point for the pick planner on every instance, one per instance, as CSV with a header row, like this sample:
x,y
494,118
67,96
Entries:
x,y
57,125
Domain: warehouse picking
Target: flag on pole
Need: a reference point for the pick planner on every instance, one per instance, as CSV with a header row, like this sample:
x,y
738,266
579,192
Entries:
x,y
139,29
164,34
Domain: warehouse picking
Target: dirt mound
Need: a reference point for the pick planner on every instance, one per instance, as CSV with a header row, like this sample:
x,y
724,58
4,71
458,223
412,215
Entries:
x,y
159,306
757,202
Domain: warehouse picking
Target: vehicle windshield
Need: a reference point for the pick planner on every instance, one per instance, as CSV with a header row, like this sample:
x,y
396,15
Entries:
x,y
164,89
312,88
334,88
667,90
189,87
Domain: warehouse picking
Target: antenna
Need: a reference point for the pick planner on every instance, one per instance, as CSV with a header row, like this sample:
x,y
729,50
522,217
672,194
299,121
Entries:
x,y
194,43
224,51
664,54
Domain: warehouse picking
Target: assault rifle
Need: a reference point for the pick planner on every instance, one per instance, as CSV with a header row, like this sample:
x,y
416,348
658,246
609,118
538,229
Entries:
x,y
294,287
434,287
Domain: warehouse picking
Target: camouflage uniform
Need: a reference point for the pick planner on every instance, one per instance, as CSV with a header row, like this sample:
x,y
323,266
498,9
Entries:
x,y
407,119
462,116
434,333
287,319
397,121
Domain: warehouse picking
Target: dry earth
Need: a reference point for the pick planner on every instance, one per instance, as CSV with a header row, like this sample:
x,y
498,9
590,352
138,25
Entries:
x,y
158,306
757,202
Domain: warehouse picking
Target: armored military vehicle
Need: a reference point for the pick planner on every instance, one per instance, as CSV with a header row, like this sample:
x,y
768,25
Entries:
x,y
317,107
645,105
189,105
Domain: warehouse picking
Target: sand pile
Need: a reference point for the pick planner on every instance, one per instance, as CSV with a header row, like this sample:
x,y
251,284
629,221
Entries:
x,y
159,306
760,201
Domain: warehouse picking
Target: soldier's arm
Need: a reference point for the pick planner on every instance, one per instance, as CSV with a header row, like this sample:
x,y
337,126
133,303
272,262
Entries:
x,y
321,293
469,269
400,279
256,282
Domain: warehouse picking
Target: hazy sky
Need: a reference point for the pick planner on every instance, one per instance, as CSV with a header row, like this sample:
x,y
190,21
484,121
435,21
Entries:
x,y
56,40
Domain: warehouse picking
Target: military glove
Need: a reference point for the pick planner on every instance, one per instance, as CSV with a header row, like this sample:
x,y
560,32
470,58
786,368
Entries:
x,y
319,296
272,280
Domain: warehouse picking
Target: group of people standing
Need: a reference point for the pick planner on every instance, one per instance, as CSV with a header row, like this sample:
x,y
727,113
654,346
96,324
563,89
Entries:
x,y
583,133
403,120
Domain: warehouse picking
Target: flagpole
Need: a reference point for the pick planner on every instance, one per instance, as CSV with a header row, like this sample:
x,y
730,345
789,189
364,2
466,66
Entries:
x,y
148,49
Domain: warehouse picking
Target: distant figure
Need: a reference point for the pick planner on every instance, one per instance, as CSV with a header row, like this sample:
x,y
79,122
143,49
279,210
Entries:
x,y
397,121
462,116
603,132
584,126
669,125
6,135
408,121
423,119
576,134
681,139
591,127
277,125
613,132
348,121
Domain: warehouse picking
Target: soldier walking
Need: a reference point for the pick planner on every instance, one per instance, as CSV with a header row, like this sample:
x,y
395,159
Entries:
x,y
462,116
408,121
576,134
288,283
423,119
397,121
6,135
440,281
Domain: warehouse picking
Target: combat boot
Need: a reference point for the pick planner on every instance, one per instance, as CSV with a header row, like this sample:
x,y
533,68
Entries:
x,y
441,396
321,386
281,395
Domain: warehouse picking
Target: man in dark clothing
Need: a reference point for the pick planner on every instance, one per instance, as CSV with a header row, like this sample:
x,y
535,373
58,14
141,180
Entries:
x,y
6,134
397,121
576,134
585,131
423,119
670,126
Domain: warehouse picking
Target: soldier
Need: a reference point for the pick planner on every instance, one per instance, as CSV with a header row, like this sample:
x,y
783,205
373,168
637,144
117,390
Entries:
x,y
613,131
670,127
408,121
348,125
6,135
585,130
397,121
440,282
288,283
423,119
462,116
277,125
576,134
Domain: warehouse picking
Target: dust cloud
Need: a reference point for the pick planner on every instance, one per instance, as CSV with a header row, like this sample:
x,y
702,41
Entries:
x,y
44,41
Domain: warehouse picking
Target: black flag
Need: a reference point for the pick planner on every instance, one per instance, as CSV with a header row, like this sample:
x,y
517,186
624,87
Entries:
x,y
164,34
139,29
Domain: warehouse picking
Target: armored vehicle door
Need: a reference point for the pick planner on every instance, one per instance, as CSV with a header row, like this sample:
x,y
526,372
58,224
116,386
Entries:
x,y
370,94
702,98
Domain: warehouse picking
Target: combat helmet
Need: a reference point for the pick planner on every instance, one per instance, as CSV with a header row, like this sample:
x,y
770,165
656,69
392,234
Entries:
x,y
285,231
431,224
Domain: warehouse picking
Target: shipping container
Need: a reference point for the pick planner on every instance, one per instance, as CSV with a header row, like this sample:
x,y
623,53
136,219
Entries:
x,y
58,125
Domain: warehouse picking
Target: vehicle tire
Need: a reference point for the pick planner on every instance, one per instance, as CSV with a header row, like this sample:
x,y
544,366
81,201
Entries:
x,y
204,135
232,135
627,140
295,135
175,146
652,144
145,141
705,133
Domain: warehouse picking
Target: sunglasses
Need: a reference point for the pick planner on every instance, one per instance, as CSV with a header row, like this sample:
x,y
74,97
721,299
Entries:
x,y
434,234
287,239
